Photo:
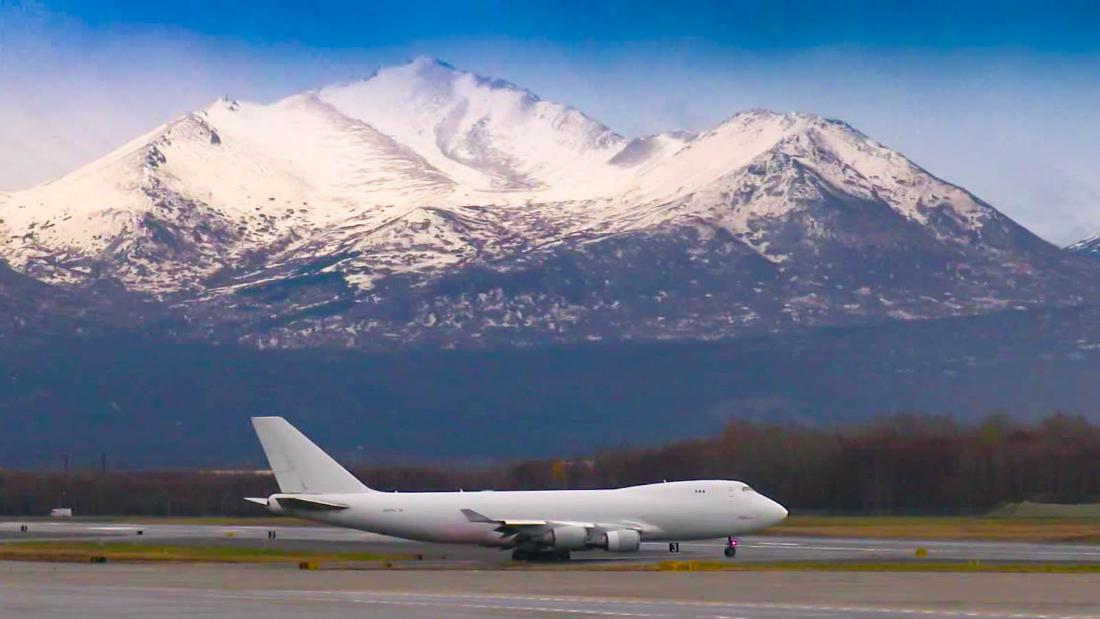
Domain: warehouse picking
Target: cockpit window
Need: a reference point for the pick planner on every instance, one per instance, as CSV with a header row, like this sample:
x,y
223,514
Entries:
x,y
746,489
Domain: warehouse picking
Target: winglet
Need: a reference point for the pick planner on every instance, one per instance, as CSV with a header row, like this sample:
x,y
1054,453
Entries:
x,y
257,501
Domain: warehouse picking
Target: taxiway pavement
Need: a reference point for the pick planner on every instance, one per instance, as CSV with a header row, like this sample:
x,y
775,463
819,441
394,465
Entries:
x,y
751,549
46,591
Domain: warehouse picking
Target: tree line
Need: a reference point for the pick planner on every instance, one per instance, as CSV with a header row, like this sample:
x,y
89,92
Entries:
x,y
899,464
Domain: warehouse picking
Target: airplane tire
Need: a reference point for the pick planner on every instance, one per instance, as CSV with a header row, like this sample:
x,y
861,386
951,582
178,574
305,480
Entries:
x,y
521,555
731,552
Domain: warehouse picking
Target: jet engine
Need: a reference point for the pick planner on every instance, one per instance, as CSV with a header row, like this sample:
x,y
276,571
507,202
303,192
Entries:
x,y
565,538
622,540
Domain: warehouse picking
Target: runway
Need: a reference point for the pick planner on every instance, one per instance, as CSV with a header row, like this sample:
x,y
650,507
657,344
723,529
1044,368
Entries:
x,y
750,549
41,591
462,581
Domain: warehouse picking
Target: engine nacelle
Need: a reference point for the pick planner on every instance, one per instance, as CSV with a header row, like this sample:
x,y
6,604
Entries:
x,y
622,540
565,538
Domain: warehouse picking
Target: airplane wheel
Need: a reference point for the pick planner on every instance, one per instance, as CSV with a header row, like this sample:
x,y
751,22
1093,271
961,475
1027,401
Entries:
x,y
731,552
520,555
561,556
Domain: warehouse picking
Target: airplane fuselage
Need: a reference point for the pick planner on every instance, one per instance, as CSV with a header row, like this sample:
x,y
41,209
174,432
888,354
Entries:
x,y
536,524
675,511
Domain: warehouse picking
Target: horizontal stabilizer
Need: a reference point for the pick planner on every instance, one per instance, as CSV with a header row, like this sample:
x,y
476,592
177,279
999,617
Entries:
x,y
297,502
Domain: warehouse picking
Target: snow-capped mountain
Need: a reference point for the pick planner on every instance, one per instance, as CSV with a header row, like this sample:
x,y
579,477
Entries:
x,y
487,134
426,204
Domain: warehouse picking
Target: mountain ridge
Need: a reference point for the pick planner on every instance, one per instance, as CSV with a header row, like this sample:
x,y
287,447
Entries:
x,y
425,205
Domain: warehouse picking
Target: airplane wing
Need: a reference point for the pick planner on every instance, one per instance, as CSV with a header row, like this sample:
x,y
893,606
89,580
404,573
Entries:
x,y
507,526
523,528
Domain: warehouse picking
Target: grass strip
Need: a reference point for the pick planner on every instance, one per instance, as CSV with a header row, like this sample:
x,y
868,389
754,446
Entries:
x,y
1075,530
121,551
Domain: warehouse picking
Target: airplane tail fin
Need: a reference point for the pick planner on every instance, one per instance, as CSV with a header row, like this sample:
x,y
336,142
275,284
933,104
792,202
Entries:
x,y
300,466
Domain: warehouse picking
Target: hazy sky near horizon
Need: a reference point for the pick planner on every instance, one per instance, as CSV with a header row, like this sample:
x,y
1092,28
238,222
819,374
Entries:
x,y
1002,98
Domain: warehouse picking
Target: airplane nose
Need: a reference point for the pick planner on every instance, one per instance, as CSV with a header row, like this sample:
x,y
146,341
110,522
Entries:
x,y
774,513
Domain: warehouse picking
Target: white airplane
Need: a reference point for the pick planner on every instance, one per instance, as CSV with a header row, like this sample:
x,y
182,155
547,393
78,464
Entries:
x,y
536,525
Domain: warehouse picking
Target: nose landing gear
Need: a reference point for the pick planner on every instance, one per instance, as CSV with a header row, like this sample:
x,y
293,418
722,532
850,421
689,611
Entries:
x,y
731,547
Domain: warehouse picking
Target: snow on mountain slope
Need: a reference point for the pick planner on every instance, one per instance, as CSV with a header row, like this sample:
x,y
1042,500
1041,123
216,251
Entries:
x,y
301,149
648,149
428,204
847,157
716,178
185,200
487,133
1086,247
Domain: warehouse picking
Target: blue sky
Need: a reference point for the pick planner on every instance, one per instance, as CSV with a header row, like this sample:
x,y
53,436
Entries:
x,y
1000,97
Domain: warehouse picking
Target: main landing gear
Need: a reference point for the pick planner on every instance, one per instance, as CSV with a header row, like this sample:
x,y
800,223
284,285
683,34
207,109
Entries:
x,y
731,547
521,554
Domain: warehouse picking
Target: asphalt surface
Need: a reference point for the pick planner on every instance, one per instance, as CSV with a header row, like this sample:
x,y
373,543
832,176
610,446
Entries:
x,y
45,591
466,582
752,549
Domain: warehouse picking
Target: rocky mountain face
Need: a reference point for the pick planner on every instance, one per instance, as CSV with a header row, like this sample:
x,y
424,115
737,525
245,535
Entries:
x,y
428,206
31,306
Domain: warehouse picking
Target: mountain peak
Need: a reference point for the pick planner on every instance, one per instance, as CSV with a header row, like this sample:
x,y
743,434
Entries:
x,y
793,119
427,72
486,133
429,61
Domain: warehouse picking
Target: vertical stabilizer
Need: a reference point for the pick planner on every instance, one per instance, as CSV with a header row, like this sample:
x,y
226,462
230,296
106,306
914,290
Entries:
x,y
301,467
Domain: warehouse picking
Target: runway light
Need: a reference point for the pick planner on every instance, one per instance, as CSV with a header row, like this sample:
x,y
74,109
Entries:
x,y
922,552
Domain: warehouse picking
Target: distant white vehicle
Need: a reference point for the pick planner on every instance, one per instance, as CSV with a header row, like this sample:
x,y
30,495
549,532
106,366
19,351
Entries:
x,y
545,524
61,512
